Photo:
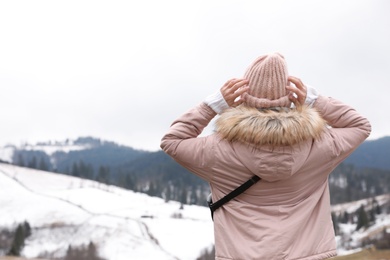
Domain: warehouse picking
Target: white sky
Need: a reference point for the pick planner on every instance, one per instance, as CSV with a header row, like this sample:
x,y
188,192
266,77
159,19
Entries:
x,y
124,70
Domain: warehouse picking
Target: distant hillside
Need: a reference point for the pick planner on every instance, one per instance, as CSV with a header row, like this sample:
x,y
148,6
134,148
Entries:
x,y
62,156
154,173
364,174
159,166
372,154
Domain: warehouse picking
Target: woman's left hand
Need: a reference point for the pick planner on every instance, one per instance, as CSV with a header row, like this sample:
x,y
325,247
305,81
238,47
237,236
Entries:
x,y
299,90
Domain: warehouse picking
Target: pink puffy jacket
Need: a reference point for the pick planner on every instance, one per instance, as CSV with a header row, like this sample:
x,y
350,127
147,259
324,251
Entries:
x,y
287,214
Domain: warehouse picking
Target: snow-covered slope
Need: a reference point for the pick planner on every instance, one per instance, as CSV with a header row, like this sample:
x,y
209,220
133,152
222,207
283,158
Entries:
x,y
350,240
64,210
6,153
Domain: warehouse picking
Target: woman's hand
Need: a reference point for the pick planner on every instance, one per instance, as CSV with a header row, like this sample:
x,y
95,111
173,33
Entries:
x,y
233,89
299,90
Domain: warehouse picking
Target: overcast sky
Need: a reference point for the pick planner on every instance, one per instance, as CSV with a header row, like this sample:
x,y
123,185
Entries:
x,y
122,71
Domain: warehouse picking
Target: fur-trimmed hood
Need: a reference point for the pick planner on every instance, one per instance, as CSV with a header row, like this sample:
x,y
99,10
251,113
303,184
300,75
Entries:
x,y
270,127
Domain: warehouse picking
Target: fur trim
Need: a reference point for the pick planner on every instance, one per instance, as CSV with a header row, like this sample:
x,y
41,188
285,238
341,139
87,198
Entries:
x,y
269,127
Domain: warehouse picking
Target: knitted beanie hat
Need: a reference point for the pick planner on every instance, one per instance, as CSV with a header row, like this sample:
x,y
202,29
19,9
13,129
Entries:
x,y
267,77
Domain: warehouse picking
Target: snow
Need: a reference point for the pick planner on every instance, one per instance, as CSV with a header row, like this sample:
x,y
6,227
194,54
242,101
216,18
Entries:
x,y
351,207
6,153
350,240
64,210
50,149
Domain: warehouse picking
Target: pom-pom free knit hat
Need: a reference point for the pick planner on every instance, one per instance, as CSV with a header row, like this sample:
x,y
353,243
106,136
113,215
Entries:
x,y
267,77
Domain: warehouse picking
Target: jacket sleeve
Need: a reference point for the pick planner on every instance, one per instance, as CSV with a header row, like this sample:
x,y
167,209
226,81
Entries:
x,y
182,143
347,128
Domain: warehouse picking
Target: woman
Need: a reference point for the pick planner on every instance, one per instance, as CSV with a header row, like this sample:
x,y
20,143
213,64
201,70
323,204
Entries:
x,y
288,135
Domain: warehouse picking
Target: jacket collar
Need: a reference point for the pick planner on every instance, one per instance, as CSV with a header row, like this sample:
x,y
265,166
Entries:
x,y
275,127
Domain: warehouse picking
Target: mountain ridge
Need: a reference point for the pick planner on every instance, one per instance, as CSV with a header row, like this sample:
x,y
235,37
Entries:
x,y
371,153
156,174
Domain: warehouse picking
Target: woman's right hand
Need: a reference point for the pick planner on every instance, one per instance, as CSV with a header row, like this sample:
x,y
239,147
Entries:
x,y
233,89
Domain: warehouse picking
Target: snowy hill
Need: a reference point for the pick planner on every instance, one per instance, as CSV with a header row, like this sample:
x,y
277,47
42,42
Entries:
x,y
64,210
350,240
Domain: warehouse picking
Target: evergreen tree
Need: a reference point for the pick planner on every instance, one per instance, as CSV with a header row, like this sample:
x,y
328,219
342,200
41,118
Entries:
x,y
152,191
335,223
42,165
362,218
85,170
194,197
207,255
345,217
129,182
91,173
168,193
378,209
375,207
27,229
103,175
21,233
20,161
92,251
18,242
183,196
75,170
83,253
70,253
33,163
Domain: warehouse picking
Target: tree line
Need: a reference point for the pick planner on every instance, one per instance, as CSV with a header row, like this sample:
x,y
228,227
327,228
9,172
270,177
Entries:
x,y
171,190
12,243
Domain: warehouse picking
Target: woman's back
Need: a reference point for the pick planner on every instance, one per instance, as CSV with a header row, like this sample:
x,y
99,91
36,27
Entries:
x,y
287,214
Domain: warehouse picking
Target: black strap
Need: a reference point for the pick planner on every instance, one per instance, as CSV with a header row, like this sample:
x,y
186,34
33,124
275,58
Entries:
x,y
214,206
